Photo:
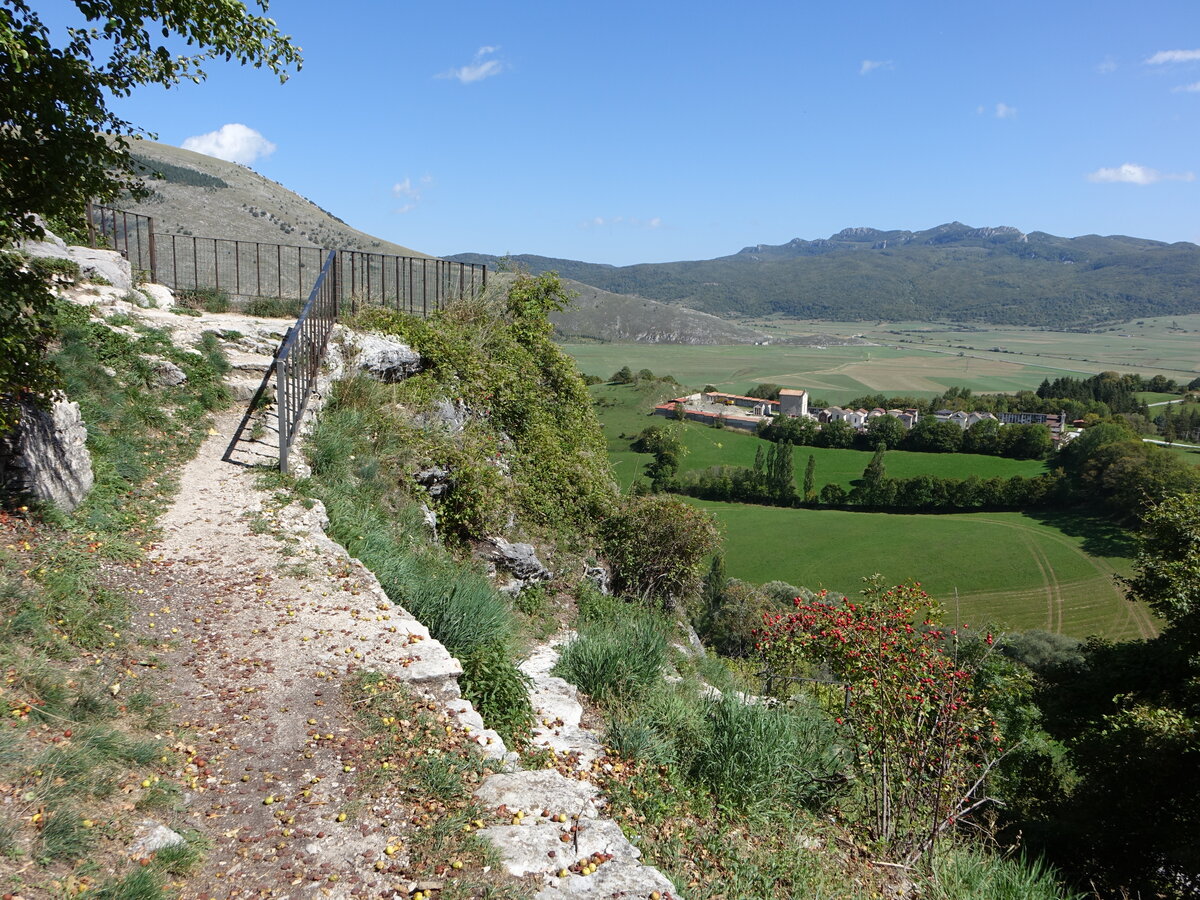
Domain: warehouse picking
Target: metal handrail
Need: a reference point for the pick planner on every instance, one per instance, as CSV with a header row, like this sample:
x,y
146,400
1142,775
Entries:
x,y
301,353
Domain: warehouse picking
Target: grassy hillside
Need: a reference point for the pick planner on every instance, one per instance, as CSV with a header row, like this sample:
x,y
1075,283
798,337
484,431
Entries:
x,y
210,197
600,316
996,275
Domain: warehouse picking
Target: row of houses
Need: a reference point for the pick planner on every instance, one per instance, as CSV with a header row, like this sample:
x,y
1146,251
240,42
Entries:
x,y
858,418
746,413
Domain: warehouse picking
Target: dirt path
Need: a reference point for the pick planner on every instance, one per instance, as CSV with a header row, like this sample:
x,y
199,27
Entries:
x,y
263,621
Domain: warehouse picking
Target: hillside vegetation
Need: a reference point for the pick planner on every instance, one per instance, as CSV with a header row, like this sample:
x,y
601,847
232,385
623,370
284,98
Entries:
x,y
953,271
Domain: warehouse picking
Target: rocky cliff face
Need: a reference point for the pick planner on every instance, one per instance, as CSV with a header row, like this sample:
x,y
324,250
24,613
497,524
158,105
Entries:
x,y
46,458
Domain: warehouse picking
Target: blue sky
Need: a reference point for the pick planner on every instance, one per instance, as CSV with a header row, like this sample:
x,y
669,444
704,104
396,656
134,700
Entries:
x,y
651,131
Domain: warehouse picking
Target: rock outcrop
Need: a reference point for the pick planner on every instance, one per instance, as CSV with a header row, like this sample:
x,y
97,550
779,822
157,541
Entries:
x,y
385,359
46,457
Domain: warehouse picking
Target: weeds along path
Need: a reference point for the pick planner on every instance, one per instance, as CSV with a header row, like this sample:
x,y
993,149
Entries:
x,y
265,626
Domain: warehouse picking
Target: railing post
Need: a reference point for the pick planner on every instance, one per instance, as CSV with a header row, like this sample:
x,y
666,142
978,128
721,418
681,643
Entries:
x,y
153,252
91,225
281,404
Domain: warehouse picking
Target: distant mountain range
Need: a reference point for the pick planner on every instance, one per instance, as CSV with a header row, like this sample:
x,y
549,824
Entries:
x,y
949,273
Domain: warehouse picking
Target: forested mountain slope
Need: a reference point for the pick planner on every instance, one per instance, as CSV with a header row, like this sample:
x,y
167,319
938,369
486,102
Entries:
x,y
998,275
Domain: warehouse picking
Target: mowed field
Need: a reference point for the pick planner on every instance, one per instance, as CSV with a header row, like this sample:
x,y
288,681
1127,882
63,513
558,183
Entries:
x,y
836,373
1012,570
623,410
1164,345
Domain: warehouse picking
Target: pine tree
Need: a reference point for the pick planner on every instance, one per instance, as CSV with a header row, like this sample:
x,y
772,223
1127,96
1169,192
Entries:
x,y
875,470
810,476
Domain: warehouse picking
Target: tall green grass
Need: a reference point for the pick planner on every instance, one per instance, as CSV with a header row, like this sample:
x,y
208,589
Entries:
x,y
616,663
969,874
360,466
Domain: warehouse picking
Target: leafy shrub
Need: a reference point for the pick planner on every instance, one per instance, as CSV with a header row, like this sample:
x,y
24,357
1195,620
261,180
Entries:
x,y
498,690
274,307
657,545
731,616
208,299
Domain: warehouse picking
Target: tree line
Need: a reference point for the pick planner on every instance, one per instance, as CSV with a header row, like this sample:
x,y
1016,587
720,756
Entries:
x,y
929,435
1109,468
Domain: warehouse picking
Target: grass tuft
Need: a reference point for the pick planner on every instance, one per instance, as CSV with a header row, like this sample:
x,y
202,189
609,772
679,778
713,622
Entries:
x,y
618,663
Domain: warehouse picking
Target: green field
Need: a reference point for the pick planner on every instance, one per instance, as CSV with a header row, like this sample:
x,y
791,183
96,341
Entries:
x,y
1013,570
624,410
918,359
836,374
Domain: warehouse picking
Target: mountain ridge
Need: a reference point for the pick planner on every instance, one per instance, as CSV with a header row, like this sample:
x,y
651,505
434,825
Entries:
x,y
994,274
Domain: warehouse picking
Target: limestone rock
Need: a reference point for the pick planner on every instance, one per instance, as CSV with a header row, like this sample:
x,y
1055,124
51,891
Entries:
x,y
435,480
165,372
385,359
598,576
445,416
539,789
519,559
46,457
151,837
158,295
106,264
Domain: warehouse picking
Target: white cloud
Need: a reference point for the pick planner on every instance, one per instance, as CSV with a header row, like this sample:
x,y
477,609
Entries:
x,y
870,65
1004,111
1132,173
628,221
1193,88
1173,56
410,193
1108,66
234,142
479,68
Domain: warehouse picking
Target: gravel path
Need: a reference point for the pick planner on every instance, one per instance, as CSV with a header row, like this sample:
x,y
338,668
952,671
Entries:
x,y
261,622
265,619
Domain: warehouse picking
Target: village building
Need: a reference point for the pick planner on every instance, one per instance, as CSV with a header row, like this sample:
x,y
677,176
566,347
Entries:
x,y
732,410
793,403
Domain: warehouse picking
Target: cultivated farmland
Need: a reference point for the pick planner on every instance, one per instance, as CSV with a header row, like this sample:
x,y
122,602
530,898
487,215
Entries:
x,y
1013,570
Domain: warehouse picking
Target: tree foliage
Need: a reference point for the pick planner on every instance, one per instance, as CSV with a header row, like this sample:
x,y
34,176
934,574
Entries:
x,y
55,144
656,545
923,738
61,144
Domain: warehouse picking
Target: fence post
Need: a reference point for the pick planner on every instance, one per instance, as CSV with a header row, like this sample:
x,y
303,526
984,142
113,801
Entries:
x,y
91,226
153,253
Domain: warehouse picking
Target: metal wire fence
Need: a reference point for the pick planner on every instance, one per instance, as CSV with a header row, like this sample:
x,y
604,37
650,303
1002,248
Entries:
x,y
254,269
299,358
